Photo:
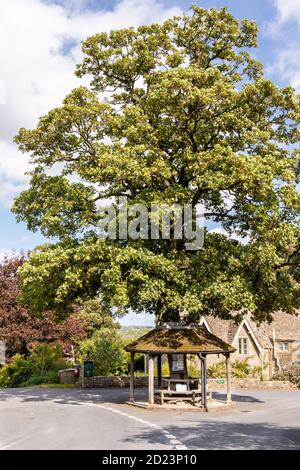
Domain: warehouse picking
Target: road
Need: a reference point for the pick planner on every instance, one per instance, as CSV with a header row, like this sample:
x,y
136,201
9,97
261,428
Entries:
x,y
40,418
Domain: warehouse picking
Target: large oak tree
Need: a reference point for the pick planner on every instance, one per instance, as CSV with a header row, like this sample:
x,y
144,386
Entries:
x,y
178,112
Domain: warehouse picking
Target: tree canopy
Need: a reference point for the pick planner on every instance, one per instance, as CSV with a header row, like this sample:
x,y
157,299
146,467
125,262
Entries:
x,y
20,329
178,112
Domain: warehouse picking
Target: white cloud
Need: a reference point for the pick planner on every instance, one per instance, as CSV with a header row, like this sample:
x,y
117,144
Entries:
x,y
287,65
2,92
39,47
137,319
233,236
8,190
10,167
287,10
285,30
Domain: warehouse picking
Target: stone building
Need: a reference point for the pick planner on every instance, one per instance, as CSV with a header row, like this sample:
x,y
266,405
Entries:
x,y
273,346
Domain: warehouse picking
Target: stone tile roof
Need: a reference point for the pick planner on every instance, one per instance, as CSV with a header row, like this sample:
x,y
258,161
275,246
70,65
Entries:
x,y
287,327
188,340
260,333
224,329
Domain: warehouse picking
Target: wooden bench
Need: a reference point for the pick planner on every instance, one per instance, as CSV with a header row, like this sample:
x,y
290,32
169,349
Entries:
x,y
186,395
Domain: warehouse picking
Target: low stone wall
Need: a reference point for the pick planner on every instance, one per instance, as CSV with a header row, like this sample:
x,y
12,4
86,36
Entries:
x,y
254,384
110,382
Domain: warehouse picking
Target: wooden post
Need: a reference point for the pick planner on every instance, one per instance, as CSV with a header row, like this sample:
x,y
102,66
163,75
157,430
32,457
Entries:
x,y
151,380
199,367
228,375
131,395
203,381
159,370
185,366
146,364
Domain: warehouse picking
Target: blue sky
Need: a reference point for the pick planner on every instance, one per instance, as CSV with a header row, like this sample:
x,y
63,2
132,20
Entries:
x,y
37,69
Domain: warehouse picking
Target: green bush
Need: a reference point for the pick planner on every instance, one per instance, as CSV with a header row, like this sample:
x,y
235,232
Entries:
x,y
240,370
292,374
217,371
193,371
46,358
107,351
34,380
50,377
17,371
165,372
41,366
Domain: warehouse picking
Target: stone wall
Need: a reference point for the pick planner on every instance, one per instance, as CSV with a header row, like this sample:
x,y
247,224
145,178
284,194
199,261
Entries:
x,y
254,384
108,382
285,358
290,357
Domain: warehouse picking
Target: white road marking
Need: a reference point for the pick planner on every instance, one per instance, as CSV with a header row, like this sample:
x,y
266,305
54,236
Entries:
x,y
11,444
175,443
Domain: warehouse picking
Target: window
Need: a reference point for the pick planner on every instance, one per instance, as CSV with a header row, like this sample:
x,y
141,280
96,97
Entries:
x,y
243,346
283,347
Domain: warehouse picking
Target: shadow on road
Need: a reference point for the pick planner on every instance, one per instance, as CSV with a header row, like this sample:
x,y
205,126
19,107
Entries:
x,y
235,397
72,396
195,430
216,435
75,396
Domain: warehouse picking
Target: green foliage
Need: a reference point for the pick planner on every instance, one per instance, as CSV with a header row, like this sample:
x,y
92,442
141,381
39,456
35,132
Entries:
x,y
240,370
51,377
165,371
129,334
217,370
292,374
16,372
189,118
95,316
46,358
41,366
193,371
107,351
58,385
20,328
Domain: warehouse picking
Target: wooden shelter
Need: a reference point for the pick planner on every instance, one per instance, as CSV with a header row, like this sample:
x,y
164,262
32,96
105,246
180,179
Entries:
x,y
178,340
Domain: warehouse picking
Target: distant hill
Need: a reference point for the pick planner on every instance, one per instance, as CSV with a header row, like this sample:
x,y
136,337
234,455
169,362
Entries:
x,y
130,333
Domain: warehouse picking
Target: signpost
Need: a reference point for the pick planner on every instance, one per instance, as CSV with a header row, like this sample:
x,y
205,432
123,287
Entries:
x,y
88,368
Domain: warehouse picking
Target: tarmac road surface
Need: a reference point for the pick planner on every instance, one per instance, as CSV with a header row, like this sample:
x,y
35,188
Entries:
x,y
40,418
